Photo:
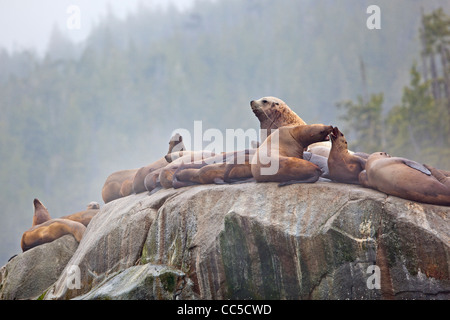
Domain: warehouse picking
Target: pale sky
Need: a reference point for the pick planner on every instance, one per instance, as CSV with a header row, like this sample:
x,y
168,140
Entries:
x,y
27,23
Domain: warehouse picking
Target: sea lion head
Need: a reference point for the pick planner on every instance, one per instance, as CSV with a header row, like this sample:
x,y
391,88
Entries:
x,y
176,143
319,132
378,155
338,140
40,213
93,205
273,113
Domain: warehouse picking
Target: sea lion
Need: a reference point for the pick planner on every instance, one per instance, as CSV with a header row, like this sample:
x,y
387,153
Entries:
x,y
113,184
84,217
165,178
406,179
318,160
280,156
226,167
45,229
51,230
274,113
176,146
343,166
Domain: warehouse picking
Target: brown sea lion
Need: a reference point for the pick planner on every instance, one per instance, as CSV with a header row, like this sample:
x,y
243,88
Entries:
x,y
274,113
343,166
113,184
165,178
51,230
406,179
280,156
176,146
45,229
85,216
227,167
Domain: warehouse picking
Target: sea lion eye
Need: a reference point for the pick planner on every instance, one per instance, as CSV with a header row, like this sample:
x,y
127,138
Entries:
x,y
264,101
276,103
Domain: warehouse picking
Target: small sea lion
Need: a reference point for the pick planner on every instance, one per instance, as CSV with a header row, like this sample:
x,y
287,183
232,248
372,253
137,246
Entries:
x,y
176,146
343,166
280,156
406,179
85,216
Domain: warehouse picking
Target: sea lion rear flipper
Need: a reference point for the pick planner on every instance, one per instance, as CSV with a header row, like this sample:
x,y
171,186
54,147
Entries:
x,y
441,177
417,166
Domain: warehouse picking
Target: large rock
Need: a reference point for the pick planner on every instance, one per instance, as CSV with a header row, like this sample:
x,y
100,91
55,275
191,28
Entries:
x,y
310,241
259,241
30,273
144,282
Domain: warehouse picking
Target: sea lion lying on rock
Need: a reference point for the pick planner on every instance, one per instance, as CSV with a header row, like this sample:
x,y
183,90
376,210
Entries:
x,y
227,167
85,216
406,179
280,157
112,188
45,229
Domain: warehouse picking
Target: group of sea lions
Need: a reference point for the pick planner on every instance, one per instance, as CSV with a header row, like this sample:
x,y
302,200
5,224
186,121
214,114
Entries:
x,y
302,154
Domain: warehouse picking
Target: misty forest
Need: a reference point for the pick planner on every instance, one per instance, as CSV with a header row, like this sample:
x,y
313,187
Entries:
x,y
74,115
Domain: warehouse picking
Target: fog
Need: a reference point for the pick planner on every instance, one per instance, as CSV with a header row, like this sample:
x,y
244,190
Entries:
x,y
27,24
77,104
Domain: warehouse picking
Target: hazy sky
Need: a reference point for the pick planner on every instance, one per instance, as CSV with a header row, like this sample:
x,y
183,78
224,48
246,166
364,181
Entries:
x,y
28,23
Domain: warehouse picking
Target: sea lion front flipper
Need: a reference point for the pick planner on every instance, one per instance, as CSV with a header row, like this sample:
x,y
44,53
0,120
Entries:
x,y
416,165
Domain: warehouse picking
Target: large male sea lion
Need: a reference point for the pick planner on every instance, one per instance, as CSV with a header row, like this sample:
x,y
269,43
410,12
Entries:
x,y
274,113
406,179
45,229
343,166
280,156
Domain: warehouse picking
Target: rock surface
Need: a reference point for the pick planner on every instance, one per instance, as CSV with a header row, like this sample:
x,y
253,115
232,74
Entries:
x,y
29,274
258,241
